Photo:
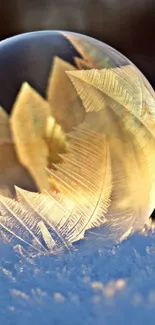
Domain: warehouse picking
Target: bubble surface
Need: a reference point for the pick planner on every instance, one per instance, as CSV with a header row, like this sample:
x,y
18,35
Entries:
x,y
77,156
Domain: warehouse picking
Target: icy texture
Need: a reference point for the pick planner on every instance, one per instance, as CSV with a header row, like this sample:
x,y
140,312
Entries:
x,y
91,286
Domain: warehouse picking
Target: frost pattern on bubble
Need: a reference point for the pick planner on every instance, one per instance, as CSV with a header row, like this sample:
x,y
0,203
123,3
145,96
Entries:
x,y
88,146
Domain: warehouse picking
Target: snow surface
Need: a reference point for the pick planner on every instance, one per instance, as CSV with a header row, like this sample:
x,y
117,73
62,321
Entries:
x,y
92,286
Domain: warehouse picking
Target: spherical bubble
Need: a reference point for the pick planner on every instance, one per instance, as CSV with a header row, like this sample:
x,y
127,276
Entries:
x,y
77,148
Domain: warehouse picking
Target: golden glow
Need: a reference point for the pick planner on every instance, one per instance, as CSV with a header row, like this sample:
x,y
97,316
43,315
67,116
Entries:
x,y
89,147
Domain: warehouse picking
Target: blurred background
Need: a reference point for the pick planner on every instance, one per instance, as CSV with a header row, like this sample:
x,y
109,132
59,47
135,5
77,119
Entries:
x,y
127,25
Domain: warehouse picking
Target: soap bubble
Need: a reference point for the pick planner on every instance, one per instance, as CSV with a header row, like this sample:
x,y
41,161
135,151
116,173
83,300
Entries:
x,y
77,149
